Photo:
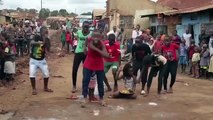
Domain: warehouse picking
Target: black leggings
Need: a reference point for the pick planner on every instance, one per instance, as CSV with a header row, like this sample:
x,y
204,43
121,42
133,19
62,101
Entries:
x,y
153,73
137,65
79,57
172,69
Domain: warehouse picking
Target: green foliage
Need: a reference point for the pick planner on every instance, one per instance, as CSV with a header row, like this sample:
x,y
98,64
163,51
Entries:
x,y
44,13
63,12
54,13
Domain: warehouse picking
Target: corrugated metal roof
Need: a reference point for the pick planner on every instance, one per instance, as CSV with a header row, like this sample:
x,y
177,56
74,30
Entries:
x,y
186,6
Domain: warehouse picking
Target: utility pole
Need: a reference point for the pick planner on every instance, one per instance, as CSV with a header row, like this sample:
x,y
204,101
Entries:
x,y
41,4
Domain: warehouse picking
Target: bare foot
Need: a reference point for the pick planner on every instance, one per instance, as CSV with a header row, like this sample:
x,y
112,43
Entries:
x,y
34,92
74,90
115,89
48,90
170,91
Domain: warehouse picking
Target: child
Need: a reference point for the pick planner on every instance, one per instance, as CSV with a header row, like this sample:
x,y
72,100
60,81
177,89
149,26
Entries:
x,y
129,83
63,39
9,65
190,54
68,40
92,85
195,63
204,61
183,56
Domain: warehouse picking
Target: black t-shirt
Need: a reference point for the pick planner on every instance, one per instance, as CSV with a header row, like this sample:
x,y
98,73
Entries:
x,y
139,52
37,50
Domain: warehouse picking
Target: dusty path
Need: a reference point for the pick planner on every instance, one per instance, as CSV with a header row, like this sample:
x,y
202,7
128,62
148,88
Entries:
x,y
193,102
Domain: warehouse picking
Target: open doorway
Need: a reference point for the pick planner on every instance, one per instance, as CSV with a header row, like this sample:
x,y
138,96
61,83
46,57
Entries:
x,y
191,30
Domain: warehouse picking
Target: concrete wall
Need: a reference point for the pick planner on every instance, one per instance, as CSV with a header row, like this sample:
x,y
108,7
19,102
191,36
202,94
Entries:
x,y
201,18
129,7
143,22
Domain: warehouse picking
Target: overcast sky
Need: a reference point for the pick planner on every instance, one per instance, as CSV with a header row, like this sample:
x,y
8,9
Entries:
x,y
79,6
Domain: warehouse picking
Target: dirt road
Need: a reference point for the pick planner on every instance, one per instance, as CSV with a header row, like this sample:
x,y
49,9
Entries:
x,y
191,101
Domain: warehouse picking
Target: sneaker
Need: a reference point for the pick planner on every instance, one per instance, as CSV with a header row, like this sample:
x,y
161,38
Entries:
x,y
143,92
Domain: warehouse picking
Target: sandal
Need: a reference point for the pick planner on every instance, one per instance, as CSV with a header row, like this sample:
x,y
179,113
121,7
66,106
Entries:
x,y
48,90
94,100
74,90
73,97
34,92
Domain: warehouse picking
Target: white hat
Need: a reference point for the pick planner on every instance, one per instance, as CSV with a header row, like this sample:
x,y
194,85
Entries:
x,y
27,21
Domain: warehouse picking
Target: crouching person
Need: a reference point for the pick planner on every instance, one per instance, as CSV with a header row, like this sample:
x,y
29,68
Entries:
x,y
37,61
158,64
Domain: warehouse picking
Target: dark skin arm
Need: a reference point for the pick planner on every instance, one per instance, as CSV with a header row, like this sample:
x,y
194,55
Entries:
x,y
103,52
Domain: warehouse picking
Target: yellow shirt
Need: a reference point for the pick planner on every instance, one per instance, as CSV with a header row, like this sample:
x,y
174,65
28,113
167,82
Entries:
x,y
195,57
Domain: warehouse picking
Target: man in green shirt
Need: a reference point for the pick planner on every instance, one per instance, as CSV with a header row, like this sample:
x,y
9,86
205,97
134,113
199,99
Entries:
x,y
80,56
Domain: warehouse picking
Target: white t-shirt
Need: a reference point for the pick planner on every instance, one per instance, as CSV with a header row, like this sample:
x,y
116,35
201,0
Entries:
x,y
135,34
187,38
112,32
210,46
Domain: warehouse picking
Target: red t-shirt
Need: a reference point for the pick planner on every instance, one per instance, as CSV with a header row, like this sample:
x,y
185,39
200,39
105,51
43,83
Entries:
x,y
157,46
94,60
113,50
191,51
170,52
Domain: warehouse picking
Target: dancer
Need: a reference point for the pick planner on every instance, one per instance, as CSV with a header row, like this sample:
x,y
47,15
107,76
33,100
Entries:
x,y
169,50
139,51
129,83
38,61
80,56
113,48
158,64
94,63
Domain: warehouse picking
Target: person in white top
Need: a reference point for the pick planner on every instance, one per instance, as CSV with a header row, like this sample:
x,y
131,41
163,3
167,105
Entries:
x,y
187,37
211,53
135,33
38,28
113,31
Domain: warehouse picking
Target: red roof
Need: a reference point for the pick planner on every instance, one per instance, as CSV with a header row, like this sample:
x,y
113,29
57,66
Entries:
x,y
183,4
187,6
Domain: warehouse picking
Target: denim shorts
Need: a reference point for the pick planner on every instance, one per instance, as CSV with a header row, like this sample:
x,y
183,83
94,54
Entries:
x,y
35,65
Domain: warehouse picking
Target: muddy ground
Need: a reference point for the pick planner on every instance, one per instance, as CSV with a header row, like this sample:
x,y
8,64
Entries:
x,y
192,99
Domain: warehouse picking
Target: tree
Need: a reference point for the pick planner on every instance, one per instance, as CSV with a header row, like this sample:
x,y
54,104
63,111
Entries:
x,y
88,13
44,13
20,9
33,11
63,12
72,14
54,13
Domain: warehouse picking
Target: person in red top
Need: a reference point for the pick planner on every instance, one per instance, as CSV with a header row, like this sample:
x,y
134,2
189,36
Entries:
x,y
113,48
169,51
157,45
94,63
191,51
68,40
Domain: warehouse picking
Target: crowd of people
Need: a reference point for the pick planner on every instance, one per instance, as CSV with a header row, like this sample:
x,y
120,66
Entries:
x,y
100,51
161,54
15,42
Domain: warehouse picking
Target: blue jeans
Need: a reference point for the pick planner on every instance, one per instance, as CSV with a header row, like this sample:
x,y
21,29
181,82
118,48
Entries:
x,y
86,79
